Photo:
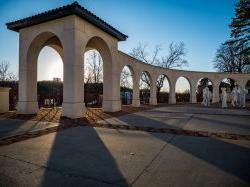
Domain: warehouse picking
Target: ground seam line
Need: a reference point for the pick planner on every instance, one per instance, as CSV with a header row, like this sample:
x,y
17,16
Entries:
x,y
58,171
154,158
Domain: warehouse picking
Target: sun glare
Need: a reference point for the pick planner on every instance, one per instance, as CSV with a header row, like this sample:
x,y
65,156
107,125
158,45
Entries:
x,y
50,65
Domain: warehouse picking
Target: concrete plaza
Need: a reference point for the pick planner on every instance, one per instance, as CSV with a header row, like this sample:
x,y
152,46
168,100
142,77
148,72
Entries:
x,y
87,156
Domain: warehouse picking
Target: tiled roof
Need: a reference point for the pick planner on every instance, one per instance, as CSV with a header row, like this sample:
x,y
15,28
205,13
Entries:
x,y
63,11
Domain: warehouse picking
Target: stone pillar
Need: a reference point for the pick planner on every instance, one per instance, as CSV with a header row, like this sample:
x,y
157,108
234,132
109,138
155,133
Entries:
x,y
111,82
73,81
4,99
172,98
193,98
136,91
111,89
27,87
216,95
153,95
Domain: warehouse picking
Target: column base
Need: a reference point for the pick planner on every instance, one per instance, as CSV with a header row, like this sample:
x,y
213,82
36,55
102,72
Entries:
x,y
172,98
136,103
193,101
216,100
111,105
152,101
172,101
73,110
27,107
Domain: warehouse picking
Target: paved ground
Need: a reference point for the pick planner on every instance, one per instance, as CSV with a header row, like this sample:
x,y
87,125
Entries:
x,y
86,156
188,118
10,127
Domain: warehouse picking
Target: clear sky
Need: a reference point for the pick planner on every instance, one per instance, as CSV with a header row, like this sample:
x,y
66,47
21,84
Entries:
x,y
201,24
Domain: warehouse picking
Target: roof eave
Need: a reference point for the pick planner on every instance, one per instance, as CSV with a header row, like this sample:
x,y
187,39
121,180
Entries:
x,y
77,10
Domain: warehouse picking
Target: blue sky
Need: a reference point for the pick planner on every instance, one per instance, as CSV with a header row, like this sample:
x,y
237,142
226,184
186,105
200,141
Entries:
x,y
201,24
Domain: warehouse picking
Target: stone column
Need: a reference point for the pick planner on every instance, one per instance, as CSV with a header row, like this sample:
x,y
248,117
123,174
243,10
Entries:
x,y
172,98
27,87
216,95
193,98
136,91
4,99
153,95
73,81
111,82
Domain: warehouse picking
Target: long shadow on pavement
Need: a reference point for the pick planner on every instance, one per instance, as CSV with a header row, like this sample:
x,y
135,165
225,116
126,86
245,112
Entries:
x,y
10,126
81,159
227,123
231,158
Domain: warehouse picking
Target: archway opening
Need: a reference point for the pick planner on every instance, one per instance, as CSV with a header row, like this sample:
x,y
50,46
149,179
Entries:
x,y
126,86
100,62
248,89
162,85
49,70
202,83
227,83
93,78
182,90
144,86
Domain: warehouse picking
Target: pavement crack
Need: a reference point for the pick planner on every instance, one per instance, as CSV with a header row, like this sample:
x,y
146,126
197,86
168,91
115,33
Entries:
x,y
68,174
20,160
152,160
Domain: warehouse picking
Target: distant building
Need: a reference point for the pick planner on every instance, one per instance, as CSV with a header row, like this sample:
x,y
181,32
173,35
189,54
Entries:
x,y
57,79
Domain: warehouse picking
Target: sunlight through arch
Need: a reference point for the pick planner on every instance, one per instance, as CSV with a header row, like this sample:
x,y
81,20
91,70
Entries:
x,y
50,77
144,85
182,90
162,85
50,64
126,86
93,78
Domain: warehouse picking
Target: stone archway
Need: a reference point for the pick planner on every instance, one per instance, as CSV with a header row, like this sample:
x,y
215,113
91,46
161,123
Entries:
x,y
146,87
183,94
72,30
127,85
163,88
201,84
28,103
102,47
247,86
227,83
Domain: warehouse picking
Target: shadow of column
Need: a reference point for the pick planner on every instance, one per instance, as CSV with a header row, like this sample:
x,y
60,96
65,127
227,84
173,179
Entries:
x,y
79,157
231,158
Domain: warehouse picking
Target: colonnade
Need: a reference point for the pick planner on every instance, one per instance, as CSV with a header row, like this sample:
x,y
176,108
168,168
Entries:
x,y
71,31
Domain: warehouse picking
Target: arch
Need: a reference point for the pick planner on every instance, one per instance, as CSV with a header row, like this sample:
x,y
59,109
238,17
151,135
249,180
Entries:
x,y
131,69
102,47
228,83
163,85
51,64
183,94
41,40
126,85
93,78
29,74
201,84
247,86
145,87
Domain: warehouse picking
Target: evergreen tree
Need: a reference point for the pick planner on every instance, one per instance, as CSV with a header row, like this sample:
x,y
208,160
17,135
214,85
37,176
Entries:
x,y
240,27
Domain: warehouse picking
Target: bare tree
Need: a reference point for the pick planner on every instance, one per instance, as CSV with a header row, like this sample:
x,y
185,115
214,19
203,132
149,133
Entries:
x,y
5,75
175,59
229,59
126,78
93,68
